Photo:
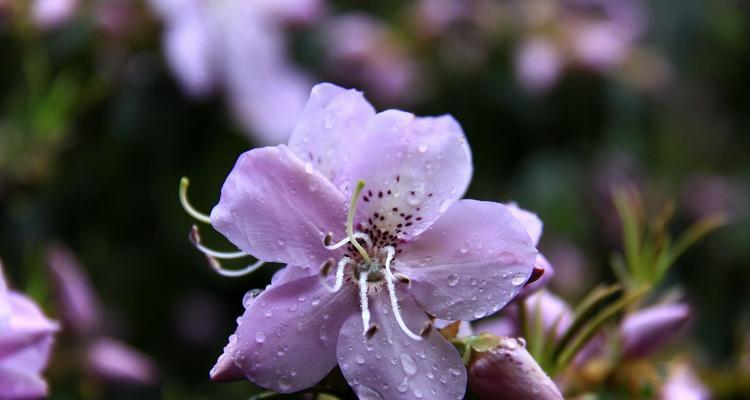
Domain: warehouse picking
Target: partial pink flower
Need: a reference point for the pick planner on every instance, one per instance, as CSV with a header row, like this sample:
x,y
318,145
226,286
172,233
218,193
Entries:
x,y
117,363
405,249
538,65
683,384
26,338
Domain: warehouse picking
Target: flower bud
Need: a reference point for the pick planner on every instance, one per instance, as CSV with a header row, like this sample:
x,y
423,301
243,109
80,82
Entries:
x,y
647,330
508,371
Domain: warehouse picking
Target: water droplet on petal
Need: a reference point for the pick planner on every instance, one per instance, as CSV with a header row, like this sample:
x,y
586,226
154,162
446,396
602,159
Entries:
x,y
453,279
423,147
518,279
445,205
302,297
367,393
480,312
360,359
418,393
260,337
315,300
408,364
248,299
285,383
308,168
456,369
403,386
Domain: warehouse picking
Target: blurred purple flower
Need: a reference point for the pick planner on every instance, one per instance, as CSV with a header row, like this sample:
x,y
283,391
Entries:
x,y
51,14
646,331
239,47
26,338
538,65
116,17
114,362
360,50
80,309
705,195
682,384
510,372
410,248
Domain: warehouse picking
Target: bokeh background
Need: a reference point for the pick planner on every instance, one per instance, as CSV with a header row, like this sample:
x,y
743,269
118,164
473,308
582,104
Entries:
x,y
559,99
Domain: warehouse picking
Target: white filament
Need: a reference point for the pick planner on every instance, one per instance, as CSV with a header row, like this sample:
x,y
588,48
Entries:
x,y
234,273
392,293
339,276
363,302
219,254
345,241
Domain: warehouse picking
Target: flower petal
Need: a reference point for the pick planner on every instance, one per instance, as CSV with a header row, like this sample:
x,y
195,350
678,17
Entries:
x,y
285,340
21,384
333,124
390,365
76,300
276,209
413,168
469,263
27,328
529,220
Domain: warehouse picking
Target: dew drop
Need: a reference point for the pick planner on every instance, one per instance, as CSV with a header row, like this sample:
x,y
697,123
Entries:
x,y
422,147
308,168
315,300
367,393
403,386
518,279
408,364
360,359
464,248
268,313
444,205
248,299
418,393
302,297
293,307
453,279
456,369
480,312
285,383
260,337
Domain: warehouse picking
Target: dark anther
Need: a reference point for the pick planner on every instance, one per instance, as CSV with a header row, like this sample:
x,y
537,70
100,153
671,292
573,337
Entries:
x,y
326,267
195,236
371,331
426,329
328,239
402,278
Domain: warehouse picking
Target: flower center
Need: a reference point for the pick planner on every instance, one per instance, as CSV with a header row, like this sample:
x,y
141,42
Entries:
x,y
369,270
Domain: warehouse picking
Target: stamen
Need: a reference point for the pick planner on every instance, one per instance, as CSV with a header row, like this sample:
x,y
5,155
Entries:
x,y
350,221
195,238
363,303
184,183
402,278
216,266
357,235
339,274
426,329
371,331
392,293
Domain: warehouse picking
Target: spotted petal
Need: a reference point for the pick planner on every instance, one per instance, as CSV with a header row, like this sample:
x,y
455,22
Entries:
x,y
331,128
275,208
285,340
469,263
390,365
413,168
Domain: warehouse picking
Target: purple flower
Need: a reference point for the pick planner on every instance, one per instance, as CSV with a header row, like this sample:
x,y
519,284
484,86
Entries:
x,y
553,312
538,65
648,330
104,358
509,372
26,338
239,47
411,250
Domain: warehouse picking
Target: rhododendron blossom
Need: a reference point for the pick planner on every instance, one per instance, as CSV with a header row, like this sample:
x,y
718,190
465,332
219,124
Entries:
x,y
365,209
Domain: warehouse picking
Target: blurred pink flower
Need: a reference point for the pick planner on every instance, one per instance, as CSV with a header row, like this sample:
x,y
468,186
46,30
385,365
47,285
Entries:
x,y
239,47
50,14
361,51
26,338
538,65
104,358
